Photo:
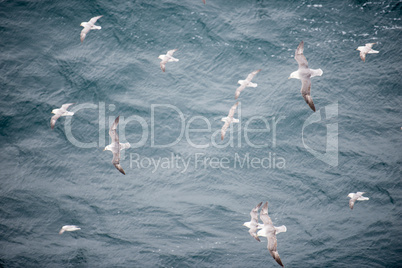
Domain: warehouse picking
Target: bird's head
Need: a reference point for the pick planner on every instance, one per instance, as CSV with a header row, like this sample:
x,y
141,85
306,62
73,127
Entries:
x,y
350,195
107,148
83,24
294,75
247,224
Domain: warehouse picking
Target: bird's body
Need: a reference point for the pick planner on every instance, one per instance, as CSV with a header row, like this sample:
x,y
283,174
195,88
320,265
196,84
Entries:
x,y
90,25
115,147
60,112
304,74
228,120
356,197
167,58
69,228
246,83
367,49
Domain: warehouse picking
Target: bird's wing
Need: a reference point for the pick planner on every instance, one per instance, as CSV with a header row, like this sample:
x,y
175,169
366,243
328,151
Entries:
x,y
116,161
370,45
94,19
112,132
352,202
363,55
251,75
253,232
272,244
299,57
264,214
305,91
53,120
254,213
254,222
163,64
224,128
170,52
239,90
65,106
84,33
233,110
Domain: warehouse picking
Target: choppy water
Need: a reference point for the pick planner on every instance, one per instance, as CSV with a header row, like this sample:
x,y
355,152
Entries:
x,y
171,215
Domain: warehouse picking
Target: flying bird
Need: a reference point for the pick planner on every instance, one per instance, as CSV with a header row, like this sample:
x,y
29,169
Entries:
x,y
116,146
228,120
366,49
246,83
60,112
356,197
69,228
270,231
253,223
167,58
90,25
304,74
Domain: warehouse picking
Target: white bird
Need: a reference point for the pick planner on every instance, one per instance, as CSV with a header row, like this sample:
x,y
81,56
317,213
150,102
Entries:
x,y
116,146
356,197
253,224
228,120
304,74
60,112
167,58
69,228
270,231
246,83
366,49
90,25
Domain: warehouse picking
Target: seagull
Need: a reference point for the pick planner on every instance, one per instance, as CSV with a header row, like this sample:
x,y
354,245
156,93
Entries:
x,y
366,49
60,112
229,119
253,223
116,146
270,231
246,83
90,25
356,196
167,58
69,228
304,74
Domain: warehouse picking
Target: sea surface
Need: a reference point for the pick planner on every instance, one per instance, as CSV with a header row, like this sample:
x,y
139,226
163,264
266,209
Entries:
x,y
186,193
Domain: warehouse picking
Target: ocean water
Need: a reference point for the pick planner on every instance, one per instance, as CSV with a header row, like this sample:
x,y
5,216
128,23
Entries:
x,y
186,193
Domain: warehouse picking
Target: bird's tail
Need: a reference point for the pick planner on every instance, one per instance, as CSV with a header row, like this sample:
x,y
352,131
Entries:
x,y
67,113
316,72
96,27
281,229
373,51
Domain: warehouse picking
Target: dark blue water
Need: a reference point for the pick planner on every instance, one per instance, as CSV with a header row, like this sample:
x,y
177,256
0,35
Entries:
x,y
186,193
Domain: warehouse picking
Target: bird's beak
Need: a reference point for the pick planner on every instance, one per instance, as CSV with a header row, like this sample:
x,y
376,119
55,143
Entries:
x,y
289,77
104,149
